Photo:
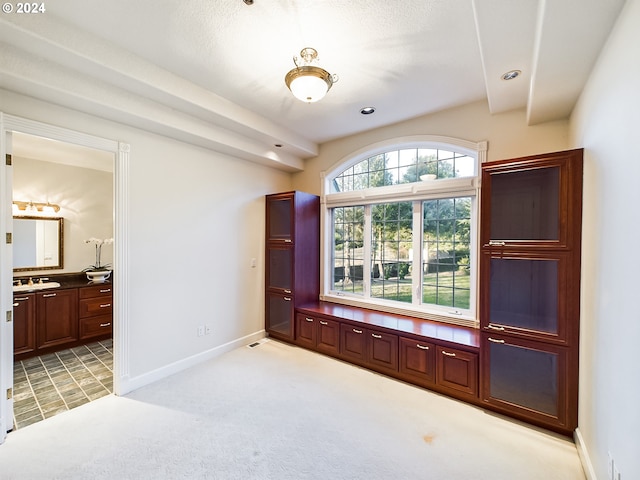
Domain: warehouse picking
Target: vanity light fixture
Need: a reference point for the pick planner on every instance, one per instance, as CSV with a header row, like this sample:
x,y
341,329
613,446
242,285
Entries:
x,y
307,81
34,208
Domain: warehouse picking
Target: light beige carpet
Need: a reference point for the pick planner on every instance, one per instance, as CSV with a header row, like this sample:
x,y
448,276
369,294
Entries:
x,y
280,412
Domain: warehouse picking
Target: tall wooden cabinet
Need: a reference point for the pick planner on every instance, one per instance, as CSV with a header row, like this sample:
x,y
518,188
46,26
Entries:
x,y
292,259
531,216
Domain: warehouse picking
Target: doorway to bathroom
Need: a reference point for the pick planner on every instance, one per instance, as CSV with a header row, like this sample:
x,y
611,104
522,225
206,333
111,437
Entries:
x,y
77,195
60,364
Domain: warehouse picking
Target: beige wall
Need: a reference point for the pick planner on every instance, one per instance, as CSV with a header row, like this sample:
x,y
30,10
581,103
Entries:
x,y
85,197
606,122
195,221
507,134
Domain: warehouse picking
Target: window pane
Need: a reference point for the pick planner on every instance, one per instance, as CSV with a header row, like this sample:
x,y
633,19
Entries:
x,y
391,240
446,249
348,256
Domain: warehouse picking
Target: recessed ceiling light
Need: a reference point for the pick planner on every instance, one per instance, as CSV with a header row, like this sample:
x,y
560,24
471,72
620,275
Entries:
x,y
511,74
278,145
367,110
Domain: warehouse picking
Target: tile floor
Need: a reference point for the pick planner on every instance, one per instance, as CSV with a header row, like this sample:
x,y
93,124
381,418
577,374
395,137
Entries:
x,y
50,384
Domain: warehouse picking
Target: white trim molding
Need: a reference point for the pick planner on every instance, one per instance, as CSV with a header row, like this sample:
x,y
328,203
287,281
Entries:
x,y
583,453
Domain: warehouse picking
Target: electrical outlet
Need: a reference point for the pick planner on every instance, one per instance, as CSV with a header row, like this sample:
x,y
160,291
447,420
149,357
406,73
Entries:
x,y
207,329
201,330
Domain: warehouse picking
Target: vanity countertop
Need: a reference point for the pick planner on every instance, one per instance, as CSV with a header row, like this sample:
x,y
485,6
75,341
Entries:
x,y
66,280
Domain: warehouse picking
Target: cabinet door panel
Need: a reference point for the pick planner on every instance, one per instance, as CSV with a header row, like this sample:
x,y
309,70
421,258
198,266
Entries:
x,y
525,204
526,295
280,268
306,330
527,377
280,317
383,350
24,323
57,317
417,360
328,336
280,218
457,370
353,343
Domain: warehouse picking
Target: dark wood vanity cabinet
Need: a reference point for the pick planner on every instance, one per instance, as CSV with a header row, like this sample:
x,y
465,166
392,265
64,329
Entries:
x,y
57,317
24,323
292,273
54,319
531,212
95,311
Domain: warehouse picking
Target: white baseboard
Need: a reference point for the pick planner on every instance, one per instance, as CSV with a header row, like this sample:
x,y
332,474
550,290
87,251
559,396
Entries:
x,y
585,459
128,384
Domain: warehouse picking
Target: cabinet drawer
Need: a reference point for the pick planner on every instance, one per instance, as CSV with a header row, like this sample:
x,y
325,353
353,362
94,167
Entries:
x,y
418,361
328,336
306,330
95,326
104,290
90,307
457,370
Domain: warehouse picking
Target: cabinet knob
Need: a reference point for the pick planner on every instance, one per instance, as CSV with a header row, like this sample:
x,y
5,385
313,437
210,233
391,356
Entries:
x,y
308,319
495,340
105,305
102,325
448,354
46,295
376,336
357,331
323,323
495,327
287,291
288,299
422,347
107,290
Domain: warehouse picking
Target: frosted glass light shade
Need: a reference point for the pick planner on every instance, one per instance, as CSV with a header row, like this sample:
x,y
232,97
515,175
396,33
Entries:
x,y
308,84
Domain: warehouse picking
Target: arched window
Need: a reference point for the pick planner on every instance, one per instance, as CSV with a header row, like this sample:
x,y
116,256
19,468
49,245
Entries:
x,y
400,228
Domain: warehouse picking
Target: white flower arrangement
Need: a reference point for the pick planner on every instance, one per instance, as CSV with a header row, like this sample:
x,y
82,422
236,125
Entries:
x,y
98,243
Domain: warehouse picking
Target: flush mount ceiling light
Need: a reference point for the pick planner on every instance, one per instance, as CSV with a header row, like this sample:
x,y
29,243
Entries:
x,y
307,81
510,75
367,110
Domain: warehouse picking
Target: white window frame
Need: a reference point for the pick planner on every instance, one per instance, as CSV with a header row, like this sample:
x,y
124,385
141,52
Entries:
x,y
442,188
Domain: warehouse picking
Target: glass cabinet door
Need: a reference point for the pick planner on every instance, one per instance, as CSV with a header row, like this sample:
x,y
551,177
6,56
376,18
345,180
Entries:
x,y
280,218
280,268
526,375
525,204
525,295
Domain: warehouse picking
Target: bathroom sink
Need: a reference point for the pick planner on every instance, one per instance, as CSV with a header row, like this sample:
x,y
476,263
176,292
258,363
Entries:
x,y
35,286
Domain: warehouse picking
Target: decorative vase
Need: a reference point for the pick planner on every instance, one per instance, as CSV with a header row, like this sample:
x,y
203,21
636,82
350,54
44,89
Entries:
x,y
98,276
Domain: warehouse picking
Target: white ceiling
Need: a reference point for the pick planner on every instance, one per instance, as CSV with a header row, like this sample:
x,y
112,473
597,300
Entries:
x,y
219,65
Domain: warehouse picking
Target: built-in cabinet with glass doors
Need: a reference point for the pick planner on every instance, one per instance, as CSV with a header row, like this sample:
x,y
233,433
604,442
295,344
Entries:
x,y
531,212
292,259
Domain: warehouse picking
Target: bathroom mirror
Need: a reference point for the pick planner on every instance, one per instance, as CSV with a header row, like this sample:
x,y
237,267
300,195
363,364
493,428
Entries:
x,y
37,243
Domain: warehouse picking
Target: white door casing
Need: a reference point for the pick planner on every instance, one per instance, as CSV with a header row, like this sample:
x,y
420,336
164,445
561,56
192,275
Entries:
x,y
9,124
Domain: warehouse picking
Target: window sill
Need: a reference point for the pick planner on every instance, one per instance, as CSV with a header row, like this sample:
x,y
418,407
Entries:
x,y
438,316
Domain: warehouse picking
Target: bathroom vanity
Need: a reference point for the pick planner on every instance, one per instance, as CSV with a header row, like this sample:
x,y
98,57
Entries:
x,y
51,319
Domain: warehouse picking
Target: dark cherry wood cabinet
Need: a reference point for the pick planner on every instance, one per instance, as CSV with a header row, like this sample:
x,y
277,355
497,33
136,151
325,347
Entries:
x,y
24,323
51,320
57,318
531,213
292,273
457,370
318,334
370,348
95,311
417,361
